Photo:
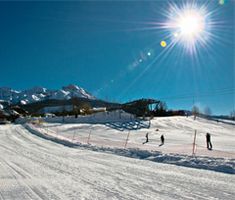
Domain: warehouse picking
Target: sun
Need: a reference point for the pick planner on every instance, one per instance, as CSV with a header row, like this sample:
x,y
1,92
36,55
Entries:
x,y
191,23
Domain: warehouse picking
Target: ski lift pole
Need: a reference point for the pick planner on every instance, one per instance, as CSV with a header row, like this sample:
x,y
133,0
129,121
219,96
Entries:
x,y
194,143
127,139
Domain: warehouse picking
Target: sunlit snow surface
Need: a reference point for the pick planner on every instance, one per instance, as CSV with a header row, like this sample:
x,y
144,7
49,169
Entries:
x,y
122,134
178,131
32,167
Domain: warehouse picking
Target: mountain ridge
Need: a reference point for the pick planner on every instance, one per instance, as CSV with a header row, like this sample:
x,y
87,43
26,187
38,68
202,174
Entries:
x,y
37,93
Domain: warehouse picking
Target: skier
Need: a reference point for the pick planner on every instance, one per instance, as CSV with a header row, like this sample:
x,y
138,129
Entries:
x,y
147,138
162,140
208,141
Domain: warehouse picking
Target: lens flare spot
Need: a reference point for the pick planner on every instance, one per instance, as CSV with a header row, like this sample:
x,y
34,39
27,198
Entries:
x,y
163,43
221,2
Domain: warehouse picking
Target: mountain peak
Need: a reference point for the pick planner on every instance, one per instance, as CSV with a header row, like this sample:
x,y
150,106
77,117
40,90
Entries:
x,y
71,87
36,89
40,93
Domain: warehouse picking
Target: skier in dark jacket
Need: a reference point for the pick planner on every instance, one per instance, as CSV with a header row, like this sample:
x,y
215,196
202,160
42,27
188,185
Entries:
x,y
162,140
208,141
147,138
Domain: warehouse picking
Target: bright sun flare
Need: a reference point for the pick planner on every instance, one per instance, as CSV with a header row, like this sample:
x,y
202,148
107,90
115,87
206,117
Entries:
x,y
191,24
188,25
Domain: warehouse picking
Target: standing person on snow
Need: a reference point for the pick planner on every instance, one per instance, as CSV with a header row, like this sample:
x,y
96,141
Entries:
x,y
208,141
147,138
162,140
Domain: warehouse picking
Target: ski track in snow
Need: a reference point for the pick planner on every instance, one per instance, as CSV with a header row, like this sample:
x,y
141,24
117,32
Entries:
x,y
34,168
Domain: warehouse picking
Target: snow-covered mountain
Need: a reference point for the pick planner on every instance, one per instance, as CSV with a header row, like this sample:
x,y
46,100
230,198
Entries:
x,y
39,93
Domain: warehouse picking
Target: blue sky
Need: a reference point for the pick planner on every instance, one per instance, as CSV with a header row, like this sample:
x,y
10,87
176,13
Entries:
x,y
112,49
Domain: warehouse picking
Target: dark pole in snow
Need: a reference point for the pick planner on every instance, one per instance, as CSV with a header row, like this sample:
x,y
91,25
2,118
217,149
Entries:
x,y
194,143
127,139
88,139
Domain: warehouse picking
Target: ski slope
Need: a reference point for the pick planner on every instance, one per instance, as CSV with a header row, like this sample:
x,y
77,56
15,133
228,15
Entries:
x,y
178,132
35,168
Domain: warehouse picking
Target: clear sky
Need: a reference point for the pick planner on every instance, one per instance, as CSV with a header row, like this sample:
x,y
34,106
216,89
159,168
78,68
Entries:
x,y
112,49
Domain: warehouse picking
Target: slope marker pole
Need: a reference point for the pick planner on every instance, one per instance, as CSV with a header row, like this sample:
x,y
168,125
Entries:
x,y
194,143
88,139
127,139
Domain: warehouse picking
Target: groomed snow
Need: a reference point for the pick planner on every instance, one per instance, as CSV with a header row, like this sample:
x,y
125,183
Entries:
x,y
178,132
34,168
108,132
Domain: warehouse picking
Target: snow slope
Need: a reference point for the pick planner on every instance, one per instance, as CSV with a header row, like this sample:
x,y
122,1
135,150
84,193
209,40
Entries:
x,y
35,168
178,132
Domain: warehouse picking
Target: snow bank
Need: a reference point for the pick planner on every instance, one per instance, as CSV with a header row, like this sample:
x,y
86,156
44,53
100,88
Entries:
x,y
208,163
